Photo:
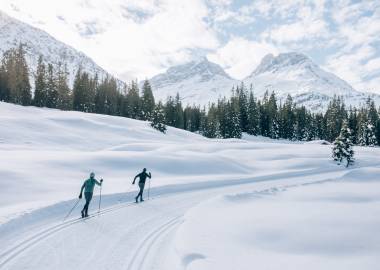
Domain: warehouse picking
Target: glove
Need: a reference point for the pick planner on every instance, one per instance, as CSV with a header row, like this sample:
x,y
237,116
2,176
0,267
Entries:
x,y
133,182
101,180
80,196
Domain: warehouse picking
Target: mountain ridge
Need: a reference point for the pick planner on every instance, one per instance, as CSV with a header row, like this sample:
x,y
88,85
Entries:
x,y
38,42
290,73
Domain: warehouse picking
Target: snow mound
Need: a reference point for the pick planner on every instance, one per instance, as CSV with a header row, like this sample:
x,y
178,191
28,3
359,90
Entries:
x,y
313,226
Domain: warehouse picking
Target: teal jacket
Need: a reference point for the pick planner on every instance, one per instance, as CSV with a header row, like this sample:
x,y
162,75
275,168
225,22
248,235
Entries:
x,y
89,185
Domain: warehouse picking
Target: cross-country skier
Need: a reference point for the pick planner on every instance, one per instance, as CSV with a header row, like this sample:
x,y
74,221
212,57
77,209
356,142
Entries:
x,y
143,175
88,187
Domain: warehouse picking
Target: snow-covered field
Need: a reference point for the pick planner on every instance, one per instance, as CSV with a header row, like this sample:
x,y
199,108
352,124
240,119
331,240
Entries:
x,y
215,204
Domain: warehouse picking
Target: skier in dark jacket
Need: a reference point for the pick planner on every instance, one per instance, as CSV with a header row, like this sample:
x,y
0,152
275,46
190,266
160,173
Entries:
x,y
88,187
143,175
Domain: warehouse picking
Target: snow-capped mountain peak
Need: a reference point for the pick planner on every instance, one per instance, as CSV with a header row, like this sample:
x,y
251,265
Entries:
x,y
202,68
271,64
293,73
199,82
297,75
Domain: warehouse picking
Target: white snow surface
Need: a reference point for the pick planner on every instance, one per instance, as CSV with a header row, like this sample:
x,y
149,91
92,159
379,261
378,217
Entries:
x,y
214,204
202,82
37,42
198,83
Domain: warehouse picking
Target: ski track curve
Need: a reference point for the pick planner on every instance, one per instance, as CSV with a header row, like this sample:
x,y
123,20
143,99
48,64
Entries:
x,y
168,220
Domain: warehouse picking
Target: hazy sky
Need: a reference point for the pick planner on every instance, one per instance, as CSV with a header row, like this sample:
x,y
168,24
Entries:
x,y
139,38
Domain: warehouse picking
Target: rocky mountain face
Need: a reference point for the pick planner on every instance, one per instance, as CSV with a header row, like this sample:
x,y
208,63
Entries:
x,y
288,73
37,42
197,82
297,75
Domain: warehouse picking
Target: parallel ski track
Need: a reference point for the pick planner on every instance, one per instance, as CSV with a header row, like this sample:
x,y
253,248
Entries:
x,y
16,250
142,251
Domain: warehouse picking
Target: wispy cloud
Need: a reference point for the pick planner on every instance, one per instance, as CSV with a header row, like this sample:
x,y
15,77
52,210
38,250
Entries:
x,y
138,38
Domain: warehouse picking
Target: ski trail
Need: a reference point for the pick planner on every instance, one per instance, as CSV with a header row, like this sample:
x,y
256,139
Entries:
x,y
145,246
165,221
14,251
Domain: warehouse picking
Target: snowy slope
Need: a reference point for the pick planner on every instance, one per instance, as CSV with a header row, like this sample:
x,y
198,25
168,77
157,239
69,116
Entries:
x,y
282,204
332,224
197,82
306,82
38,42
289,73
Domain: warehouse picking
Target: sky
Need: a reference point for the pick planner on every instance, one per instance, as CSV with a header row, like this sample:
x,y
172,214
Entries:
x,y
141,38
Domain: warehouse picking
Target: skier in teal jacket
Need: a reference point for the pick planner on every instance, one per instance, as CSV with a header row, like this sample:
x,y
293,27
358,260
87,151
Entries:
x,y
143,175
88,187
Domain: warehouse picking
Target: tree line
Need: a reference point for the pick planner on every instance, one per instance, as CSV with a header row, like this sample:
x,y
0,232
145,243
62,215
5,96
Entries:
x,y
227,118
268,117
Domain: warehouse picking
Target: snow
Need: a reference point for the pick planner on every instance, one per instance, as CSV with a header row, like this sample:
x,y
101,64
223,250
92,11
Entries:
x,y
329,225
214,204
38,42
202,82
198,83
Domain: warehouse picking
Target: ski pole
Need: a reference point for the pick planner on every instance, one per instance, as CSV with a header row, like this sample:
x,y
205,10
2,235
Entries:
x,y
149,191
100,198
75,205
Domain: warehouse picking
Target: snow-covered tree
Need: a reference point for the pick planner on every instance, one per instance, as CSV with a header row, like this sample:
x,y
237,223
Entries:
x,y
158,118
275,129
343,146
367,135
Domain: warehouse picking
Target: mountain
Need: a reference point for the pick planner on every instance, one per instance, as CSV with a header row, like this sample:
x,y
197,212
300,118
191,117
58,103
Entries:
x,y
197,82
37,42
309,85
201,82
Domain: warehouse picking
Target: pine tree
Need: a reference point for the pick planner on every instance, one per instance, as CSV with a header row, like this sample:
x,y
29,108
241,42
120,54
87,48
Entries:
x,y
367,135
179,119
133,101
253,116
4,89
343,146
335,115
84,92
275,129
242,99
51,88
287,118
64,101
23,84
107,97
40,91
210,125
147,101
158,118
15,69
233,121
79,96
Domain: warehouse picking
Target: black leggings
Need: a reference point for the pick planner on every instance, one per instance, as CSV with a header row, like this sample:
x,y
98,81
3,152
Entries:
x,y
141,186
88,197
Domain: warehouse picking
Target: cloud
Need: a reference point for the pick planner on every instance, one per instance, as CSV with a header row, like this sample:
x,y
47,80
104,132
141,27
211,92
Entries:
x,y
111,34
305,30
240,56
358,35
139,38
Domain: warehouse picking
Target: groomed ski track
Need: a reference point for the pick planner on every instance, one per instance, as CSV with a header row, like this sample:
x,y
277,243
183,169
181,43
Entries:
x,y
125,235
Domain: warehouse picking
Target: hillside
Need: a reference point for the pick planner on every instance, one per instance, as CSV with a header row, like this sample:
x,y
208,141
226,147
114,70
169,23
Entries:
x,y
37,42
202,82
